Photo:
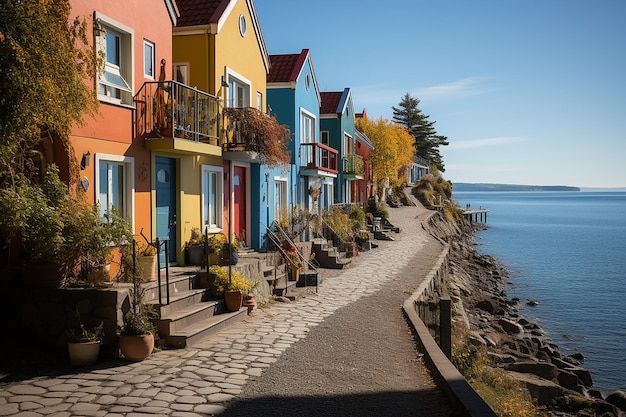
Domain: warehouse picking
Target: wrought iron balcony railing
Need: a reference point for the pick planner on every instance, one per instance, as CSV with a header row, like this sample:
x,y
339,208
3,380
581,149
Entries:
x,y
318,156
169,109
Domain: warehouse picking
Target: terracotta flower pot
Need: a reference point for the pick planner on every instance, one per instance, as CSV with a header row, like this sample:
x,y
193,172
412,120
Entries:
x,y
83,353
136,348
233,300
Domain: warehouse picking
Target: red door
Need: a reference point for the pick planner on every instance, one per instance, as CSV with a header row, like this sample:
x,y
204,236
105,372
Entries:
x,y
239,202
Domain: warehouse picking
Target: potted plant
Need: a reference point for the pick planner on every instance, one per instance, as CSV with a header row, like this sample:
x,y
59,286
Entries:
x,y
83,344
225,250
146,261
137,333
194,247
43,239
295,263
233,288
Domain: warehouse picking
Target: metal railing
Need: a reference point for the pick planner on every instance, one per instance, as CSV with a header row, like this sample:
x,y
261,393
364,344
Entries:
x,y
174,110
353,165
318,156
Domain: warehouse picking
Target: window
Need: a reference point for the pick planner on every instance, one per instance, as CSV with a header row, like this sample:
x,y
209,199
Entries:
x,y
212,206
242,25
307,82
115,184
181,73
348,147
259,101
324,135
238,91
307,127
148,59
280,196
114,44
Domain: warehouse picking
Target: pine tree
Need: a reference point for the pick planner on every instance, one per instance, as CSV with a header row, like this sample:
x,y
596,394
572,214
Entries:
x,y
427,141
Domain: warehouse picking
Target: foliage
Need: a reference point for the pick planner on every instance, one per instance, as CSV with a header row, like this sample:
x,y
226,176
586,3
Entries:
x,y
146,249
376,208
83,333
295,222
393,151
293,259
503,394
138,319
44,61
261,133
219,243
426,139
236,282
196,239
346,222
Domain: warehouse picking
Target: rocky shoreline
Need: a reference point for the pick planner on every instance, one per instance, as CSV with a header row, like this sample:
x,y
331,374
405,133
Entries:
x,y
557,382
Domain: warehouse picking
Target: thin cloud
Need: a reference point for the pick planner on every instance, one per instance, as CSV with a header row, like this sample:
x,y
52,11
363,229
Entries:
x,y
467,87
483,143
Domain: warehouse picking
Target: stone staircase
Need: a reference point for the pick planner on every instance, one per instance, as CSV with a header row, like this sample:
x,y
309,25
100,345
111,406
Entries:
x,y
191,314
328,256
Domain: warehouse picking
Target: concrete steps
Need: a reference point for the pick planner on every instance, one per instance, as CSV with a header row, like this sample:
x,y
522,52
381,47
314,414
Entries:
x,y
328,256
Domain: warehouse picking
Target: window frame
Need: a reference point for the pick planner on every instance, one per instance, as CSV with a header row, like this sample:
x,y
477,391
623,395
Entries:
x,y
152,73
128,193
281,187
108,91
238,84
207,171
184,70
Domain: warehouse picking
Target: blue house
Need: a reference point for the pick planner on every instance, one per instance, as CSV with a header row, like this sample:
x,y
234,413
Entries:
x,y
337,129
294,97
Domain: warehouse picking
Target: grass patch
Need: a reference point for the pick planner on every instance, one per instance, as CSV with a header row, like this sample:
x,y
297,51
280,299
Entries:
x,y
504,395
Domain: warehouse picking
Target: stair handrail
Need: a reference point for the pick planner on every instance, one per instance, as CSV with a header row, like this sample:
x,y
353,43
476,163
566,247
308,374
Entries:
x,y
334,234
275,240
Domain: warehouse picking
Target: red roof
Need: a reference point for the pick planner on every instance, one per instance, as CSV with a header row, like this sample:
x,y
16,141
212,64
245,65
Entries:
x,y
330,102
200,12
287,67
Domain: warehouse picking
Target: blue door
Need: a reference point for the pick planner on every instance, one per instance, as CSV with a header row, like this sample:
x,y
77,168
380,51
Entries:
x,y
166,205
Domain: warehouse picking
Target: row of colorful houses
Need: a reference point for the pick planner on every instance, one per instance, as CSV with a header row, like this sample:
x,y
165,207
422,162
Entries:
x,y
165,150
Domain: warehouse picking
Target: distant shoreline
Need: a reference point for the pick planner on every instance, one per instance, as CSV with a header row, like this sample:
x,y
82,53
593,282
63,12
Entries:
x,y
464,186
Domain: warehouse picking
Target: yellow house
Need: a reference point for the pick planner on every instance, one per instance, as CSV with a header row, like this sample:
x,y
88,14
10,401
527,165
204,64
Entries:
x,y
218,47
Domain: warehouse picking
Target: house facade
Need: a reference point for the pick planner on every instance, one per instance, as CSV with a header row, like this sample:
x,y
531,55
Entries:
x,y
363,189
219,48
294,97
337,129
117,168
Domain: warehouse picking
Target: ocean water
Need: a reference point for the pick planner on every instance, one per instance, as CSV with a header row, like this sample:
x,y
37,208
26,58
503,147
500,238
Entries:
x,y
566,250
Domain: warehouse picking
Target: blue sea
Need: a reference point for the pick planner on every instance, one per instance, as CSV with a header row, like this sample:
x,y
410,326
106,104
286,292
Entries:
x,y
566,250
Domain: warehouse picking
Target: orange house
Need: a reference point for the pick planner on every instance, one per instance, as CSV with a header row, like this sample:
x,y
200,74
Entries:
x,y
114,167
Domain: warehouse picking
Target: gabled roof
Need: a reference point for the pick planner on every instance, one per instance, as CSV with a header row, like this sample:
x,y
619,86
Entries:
x,y
334,102
362,137
286,68
195,13
211,14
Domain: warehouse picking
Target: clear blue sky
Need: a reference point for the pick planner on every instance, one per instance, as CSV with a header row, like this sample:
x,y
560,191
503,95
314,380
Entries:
x,y
527,92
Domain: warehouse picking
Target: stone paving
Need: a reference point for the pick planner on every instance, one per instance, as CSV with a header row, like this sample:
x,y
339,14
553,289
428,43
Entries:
x,y
199,381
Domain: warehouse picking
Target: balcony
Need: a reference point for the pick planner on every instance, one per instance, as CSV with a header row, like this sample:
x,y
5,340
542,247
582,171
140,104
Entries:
x,y
319,160
352,167
171,116
253,136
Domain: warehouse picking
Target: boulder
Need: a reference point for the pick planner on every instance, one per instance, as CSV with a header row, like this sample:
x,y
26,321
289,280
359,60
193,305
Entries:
x,y
541,369
618,399
510,327
568,380
541,390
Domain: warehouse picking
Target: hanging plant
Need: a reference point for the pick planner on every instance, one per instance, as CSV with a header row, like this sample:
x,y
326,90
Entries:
x,y
315,192
261,133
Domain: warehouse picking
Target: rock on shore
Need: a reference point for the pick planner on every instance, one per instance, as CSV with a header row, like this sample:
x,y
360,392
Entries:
x,y
557,382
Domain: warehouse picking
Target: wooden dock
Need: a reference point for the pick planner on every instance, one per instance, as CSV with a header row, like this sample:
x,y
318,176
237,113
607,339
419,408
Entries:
x,y
475,215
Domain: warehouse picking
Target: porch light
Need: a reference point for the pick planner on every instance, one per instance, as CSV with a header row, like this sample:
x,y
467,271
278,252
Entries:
x,y
86,160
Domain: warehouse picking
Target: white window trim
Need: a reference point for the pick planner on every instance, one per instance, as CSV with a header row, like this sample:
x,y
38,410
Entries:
x,y
129,57
220,196
284,184
129,182
242,80
151,44
306,113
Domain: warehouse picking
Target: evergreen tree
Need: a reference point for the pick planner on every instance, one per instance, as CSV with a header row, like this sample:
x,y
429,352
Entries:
x,y
427,141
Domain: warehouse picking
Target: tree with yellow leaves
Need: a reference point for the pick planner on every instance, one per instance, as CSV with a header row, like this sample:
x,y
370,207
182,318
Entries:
x,y
392,154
